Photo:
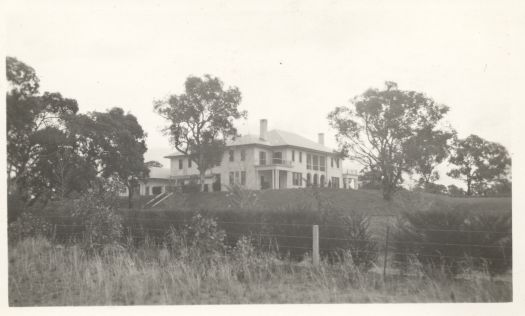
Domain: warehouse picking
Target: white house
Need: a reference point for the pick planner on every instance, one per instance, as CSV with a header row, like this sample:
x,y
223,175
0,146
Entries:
x,y
274,159
351,179
159,181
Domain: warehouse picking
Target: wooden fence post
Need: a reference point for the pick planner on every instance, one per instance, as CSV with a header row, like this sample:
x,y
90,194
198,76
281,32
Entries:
x,y
315,245
386,251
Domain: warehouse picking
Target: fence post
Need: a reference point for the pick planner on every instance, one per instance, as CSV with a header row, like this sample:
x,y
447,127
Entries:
x,y
386,251
315,245
55,233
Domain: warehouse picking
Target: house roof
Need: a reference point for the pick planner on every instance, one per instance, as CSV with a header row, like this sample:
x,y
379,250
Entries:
x,y
275,138
159,173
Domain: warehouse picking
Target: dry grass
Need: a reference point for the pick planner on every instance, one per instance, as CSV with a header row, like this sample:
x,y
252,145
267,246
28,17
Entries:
x,y
41,273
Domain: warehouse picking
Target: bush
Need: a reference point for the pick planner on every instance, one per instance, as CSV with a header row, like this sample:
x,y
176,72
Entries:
x,y
454,241
362,246
240,198
15,207
29,225
203,233
287,231
494,231
95,212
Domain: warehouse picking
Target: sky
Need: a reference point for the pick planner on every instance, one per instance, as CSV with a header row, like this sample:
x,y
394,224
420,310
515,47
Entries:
x,y
293,61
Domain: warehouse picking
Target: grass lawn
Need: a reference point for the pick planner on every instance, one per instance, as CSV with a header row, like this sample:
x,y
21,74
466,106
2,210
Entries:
x,y
369,201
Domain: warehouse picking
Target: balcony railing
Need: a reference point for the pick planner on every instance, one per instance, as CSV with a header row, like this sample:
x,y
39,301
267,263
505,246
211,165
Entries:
x,y
275,162
352,172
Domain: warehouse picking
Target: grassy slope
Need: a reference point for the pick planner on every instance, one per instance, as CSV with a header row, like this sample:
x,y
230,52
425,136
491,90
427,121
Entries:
x,y
362,200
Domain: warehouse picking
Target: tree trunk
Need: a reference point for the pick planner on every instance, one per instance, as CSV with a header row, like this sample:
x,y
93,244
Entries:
x,y
130,197
469,187
201,171
387,187
202,178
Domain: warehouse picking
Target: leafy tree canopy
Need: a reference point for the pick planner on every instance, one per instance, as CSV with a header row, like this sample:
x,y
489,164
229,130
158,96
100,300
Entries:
x,y
201,120
480,163
121,145
381,125
35,130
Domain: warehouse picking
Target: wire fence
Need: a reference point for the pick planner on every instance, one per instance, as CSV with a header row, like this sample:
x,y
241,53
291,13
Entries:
x,y
175,221
140,229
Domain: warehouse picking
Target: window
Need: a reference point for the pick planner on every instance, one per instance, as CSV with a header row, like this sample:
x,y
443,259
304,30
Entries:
x,y
243,155
322,161
180,163
308,179
337,162
236,177
297,179
147,190
315,164
243,177
321,181
262,158
231,178
277,157
332,162
315,180
308,161
335,182
300,156
293,155
189,163
231,155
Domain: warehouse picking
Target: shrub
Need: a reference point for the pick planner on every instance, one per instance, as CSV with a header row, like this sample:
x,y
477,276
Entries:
x,y
15,207
96,212
240,198
453,240
494,232
29,225
287,231
361,245
175,240
203,233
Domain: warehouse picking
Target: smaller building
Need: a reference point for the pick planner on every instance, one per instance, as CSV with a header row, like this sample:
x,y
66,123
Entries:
x,y
351,179
158,182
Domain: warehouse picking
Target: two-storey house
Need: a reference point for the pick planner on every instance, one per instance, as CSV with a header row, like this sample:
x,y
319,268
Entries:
x,y
274,159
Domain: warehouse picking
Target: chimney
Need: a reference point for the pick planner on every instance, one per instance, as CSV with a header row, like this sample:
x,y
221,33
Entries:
x,y
264,129
320,138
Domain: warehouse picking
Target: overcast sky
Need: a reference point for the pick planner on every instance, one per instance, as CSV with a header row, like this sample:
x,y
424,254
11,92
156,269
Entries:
x,y
293,61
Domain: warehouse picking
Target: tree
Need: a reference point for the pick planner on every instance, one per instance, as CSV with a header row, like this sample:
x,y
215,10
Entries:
x,y
501,187
479,163
120,145
22,78
433,188
454,190
380,128
370,179
201,120
426,151
32,121
59,169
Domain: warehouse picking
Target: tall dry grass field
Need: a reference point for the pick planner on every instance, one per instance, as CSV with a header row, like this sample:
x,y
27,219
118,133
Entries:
x,y
41,273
